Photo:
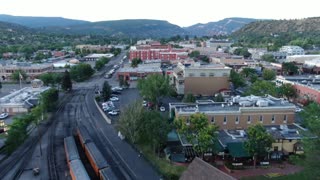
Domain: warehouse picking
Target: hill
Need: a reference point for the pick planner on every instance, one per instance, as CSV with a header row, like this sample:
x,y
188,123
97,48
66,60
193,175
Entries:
x,y
222,27
13,33
123,28
36,22
267,27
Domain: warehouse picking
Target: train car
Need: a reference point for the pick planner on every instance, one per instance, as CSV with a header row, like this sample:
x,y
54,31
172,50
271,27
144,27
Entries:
x,y
77,170
95,157
83,135
70,148
107,174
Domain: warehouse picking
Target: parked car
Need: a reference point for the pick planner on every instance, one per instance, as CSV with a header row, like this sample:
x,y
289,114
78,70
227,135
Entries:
x,y
145,103
117,89
298,109
114,99
162,109
113,113
116,92
4,115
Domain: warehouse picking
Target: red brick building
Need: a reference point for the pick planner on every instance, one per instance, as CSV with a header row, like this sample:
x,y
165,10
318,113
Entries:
x,y
156,51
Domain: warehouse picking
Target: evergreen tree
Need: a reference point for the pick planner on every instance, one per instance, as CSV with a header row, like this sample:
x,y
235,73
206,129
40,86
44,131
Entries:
x,y
106,91
66,84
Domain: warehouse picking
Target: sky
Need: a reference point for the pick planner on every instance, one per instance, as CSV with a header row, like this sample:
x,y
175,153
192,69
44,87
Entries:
x,y
179,12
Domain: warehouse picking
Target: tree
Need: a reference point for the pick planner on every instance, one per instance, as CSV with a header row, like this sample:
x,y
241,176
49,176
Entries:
x,y
66,83
135,62
101,63
106,91
259,142
47,79
289,68
242,52
247,72
236,79
155,129
16,75
153,87
311,119
268,75
261,88
268,58
189,98
130,121
287,90
218,98
194,54
49,99
199,132
81,72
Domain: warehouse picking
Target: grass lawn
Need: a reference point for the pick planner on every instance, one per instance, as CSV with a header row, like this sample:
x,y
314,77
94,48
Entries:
x,y
168,170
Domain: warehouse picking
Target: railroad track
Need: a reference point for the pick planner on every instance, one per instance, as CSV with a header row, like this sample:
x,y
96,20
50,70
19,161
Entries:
x,y
24,153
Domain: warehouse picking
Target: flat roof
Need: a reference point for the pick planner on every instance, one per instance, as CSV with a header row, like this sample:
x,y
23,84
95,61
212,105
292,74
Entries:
x,y
142,68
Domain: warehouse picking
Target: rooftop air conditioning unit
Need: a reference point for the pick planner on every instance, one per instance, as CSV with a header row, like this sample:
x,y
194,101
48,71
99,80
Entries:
x,y
262,103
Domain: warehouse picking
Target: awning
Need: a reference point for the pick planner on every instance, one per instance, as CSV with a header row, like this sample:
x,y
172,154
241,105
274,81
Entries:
x,y
237,150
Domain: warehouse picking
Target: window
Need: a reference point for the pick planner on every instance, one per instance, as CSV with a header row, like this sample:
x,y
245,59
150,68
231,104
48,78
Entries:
x,y
225,120
285,119
203,74
261,118
191,74
249,120
237,119
211,74
212,119
273,119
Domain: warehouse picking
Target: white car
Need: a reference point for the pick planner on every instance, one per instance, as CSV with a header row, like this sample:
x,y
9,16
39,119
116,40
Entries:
x,y
116,89
114,99
162,109
113,113
144,103
4,115
298,109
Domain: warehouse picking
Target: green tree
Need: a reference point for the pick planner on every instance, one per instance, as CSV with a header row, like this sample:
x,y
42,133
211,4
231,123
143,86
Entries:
x,y
99,64
261,88
268,75
199,132
49,99
135,62
106,91
259,142
236,79
287,90
81,72
218,98
246,72
16,75
153,87
130,121
242,52
289,68
268,58
189,98
66,83
194,54
47,79
253,78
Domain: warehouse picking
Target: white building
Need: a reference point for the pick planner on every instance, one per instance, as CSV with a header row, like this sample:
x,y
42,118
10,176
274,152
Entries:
x,y
292,50
94,57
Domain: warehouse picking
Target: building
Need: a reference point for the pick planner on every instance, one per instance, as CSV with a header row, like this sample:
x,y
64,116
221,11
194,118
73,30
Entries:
x,y
218,43
156,51
32,70
312,66
142,71
240,112
22,100
307,87
202,170
90,47
292,50
200,79
301,59
64,63
95,57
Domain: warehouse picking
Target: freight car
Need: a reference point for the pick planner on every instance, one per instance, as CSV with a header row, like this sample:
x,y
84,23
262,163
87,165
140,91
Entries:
x,y
77,170
83,135
107,174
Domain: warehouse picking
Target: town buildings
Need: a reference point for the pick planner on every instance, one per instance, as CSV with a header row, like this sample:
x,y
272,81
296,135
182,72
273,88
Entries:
x,y
200,79
32,70
292,50
157,51
241,112
142,71
95,57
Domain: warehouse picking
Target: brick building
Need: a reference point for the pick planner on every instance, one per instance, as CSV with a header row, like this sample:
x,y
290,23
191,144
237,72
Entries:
x,y
142,71
200,79
156,51
240,112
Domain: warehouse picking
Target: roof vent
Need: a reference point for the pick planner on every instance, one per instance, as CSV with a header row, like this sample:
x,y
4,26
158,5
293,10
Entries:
x,y
222,105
